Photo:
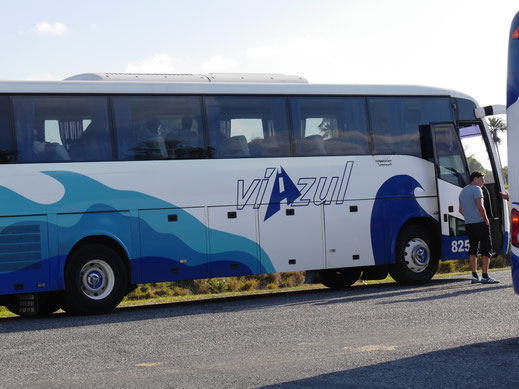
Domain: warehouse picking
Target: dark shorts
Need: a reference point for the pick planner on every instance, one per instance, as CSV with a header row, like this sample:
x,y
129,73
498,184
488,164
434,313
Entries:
x,y
479,239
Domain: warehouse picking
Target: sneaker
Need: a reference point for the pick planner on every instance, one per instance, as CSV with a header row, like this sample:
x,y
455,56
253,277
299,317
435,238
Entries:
x,y
475,280
489,280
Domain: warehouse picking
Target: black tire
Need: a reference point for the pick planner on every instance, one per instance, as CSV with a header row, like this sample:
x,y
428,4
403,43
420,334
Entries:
x,y
96,280
416,256
340,278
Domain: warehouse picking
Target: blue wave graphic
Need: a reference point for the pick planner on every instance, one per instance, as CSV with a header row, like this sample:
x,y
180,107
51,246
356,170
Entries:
x,y
394,205
184,249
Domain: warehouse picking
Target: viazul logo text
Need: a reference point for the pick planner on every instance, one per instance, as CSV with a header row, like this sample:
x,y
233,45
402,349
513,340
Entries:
x,y
307,191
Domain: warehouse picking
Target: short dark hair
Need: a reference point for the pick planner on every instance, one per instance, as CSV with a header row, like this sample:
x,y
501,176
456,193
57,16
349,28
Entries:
x,y
476,173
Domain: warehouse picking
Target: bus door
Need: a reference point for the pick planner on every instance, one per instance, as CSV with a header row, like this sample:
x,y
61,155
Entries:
x,y
451,178
480,156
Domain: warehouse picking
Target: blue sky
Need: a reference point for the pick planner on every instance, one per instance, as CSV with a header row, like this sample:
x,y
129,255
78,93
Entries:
x,y
455,44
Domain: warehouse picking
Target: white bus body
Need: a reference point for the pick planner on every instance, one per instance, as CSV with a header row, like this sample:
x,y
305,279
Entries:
x,y
235,178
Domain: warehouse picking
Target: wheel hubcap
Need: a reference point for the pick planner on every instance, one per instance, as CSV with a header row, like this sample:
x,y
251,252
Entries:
x,y
97,279
417,255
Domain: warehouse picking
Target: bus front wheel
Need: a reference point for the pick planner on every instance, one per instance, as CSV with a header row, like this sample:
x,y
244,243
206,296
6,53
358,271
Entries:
x,y
96,280
416,259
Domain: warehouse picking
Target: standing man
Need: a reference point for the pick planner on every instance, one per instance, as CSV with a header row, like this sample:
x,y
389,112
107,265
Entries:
x,y
477,225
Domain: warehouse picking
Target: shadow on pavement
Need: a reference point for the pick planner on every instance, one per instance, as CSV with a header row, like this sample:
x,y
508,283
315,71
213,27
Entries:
x,y
447,286
479,365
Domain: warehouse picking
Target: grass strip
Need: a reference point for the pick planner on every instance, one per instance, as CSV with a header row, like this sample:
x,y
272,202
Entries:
x,y
4,312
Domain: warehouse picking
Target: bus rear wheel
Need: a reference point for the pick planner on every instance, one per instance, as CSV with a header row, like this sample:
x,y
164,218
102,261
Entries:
x,y
340,278
96,280
416,255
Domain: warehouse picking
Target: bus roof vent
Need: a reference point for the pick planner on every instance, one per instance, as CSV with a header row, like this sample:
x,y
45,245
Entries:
x,y
256,78
138,77
211,77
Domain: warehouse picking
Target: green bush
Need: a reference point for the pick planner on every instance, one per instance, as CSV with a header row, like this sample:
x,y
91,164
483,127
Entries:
x,y
447,267
265,281
250,284
201,287
233,284
462,265
500,261
178,291
217,285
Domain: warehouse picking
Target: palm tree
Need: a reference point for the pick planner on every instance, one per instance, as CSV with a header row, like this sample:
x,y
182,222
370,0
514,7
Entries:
x,y
496,125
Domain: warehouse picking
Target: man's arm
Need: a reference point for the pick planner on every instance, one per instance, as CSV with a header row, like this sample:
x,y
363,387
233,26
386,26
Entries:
x,y
481,209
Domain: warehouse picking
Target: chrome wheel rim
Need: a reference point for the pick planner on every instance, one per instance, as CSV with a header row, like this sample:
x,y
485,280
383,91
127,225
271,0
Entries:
x,y
97,279
417,255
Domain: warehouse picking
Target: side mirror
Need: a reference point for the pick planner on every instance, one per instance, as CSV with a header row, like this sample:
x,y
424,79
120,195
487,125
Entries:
x,y
490,110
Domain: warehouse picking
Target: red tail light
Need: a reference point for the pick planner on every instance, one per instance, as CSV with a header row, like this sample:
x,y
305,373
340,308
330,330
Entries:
x,y
515,227
515,35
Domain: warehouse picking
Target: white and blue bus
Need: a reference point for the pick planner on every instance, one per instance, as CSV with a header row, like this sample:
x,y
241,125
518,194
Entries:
x,y
512,113
112,180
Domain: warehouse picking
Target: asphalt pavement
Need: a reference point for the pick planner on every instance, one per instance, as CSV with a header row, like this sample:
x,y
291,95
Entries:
x,y
447,334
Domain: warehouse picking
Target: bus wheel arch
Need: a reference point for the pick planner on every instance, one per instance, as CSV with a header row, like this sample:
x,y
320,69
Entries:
x,y
97,276
417,253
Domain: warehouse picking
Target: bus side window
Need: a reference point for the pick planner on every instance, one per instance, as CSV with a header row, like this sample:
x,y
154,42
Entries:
x,y
158,127
54,128
330,126
247,126
396,121
7,153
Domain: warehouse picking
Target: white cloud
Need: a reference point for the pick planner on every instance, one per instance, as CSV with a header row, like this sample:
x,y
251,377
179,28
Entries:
x,y
310,47
306,56
219,63
45,28
261,53
159,63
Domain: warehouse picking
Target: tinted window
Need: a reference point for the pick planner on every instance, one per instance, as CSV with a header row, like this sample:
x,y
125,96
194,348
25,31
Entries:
x,y
6,145
61,128
450,156
465,109
247,126
158,127
330,126
396,122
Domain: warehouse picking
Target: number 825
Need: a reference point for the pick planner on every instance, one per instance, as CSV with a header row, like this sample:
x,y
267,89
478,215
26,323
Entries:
x,y
458,246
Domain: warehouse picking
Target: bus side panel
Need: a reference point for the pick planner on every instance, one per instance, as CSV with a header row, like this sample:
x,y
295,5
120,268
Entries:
x,y
346,227
173,244
24,255
177,244
74,227
294,238
243,223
